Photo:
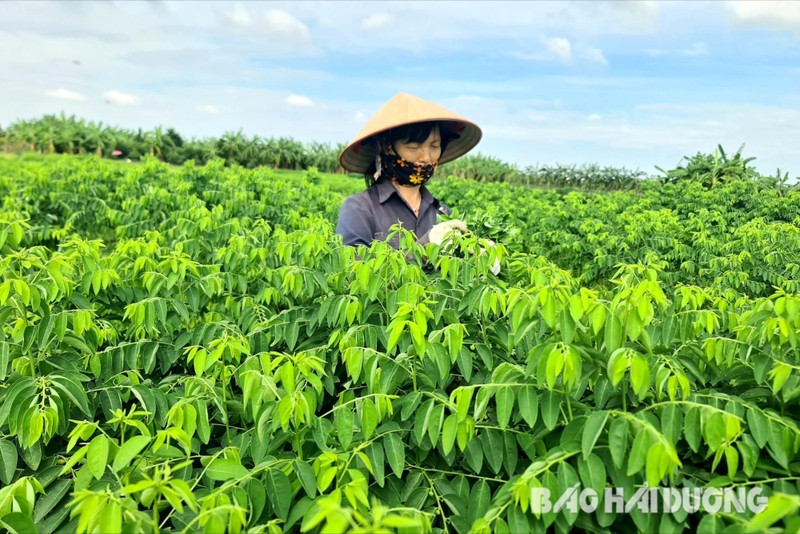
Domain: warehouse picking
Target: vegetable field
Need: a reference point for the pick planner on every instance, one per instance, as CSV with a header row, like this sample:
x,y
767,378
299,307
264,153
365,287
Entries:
x,y
192,349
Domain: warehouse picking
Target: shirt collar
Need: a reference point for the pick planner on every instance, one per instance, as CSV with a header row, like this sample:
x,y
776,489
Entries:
x,y
386,189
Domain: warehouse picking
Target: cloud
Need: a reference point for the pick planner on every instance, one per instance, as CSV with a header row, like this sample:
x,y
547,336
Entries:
x,y
65,94
559,47
207,109
360,117
779,15
697,49
595,117
376,21
296,100
283,24
117,98
595,55
239,15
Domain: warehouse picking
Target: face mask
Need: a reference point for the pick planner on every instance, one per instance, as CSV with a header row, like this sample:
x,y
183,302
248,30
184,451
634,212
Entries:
x,y
404,172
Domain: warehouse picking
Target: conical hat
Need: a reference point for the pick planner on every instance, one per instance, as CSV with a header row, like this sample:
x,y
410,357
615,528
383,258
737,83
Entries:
x,y
405,109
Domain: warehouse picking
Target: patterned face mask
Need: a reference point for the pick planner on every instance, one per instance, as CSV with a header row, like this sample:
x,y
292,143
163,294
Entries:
x,y
404,172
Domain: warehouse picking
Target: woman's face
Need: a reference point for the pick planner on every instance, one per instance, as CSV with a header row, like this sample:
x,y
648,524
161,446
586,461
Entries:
x,y
426,152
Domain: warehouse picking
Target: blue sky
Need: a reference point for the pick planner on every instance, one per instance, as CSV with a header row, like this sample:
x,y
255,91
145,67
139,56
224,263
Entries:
x,y
633,84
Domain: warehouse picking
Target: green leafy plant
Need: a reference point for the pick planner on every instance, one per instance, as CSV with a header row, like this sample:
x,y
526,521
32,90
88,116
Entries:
x,y
193,349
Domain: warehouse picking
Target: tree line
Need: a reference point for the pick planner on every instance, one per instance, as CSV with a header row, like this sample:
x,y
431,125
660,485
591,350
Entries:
x,y
61,134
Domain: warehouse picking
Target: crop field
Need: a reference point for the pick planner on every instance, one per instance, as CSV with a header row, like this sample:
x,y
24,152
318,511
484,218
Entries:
x,y
192,349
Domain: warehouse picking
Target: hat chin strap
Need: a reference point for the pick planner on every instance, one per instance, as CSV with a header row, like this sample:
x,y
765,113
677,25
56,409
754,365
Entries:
x,y
377,147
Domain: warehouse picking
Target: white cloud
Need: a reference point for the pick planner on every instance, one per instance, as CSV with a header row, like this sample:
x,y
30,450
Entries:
x,y
65,94
559,47
771,14
595,55
208,109
297,100
376,21
595,117
239,15
697,49
360,117
117,98
283,24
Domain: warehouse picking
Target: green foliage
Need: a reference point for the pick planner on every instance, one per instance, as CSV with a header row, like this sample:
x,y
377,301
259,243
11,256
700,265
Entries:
x,y
67,135
193,349
487,169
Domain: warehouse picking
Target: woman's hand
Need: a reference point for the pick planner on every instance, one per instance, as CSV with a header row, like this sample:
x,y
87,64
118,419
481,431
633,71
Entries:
x,y
495,268
440,231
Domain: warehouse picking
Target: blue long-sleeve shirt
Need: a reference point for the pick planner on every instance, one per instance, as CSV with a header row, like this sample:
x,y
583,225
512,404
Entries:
x,y
368,215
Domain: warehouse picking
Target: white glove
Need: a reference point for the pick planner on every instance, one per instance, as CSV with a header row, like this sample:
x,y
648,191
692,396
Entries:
x,y
495,268
441,230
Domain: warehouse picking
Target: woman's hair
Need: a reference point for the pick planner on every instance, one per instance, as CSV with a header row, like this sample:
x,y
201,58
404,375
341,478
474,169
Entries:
x,y
417,132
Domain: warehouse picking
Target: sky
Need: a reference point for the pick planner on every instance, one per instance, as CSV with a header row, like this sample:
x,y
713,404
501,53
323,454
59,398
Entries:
x,y
621,83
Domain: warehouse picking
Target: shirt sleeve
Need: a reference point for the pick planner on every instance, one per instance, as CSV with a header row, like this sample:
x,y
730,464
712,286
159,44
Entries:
x,y
355,223
425,238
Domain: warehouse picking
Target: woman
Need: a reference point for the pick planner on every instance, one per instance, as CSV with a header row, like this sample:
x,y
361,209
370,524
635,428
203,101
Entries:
x,y
398,151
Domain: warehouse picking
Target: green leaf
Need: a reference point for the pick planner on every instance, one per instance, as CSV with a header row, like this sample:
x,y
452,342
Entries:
x,y
50,499
551,408
22,388
8,461
18,523
369,418
711,524
225,469
129,450
672,423
377,458
528,402
592,471
97,456
449,433
435,423
778,507
279,492
614,332
591,431
638,456
758,427
618,440
480,499
257,495
32,456
305,474
410,404
395,453
4,358
110,518
422,420
493,448
653,471
344,420
73,390
692,428
504,397
640,375
474,455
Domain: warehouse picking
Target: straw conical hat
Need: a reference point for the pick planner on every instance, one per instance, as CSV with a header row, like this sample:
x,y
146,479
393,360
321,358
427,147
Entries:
x,y
405,109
